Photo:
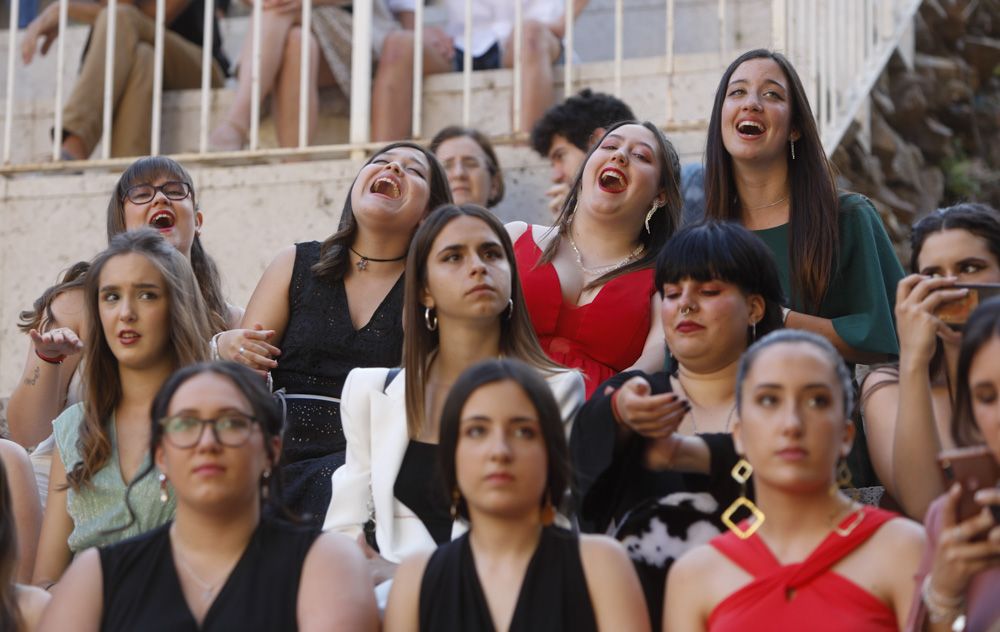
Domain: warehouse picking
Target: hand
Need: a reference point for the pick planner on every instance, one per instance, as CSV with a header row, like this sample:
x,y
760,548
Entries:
x,y
250,347
957,557
440,42
652,416
381,568
45,27
917,297
61,341
557,197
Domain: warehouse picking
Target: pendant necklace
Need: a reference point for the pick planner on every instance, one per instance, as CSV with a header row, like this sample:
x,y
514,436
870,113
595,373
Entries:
x,y
362,265
207,589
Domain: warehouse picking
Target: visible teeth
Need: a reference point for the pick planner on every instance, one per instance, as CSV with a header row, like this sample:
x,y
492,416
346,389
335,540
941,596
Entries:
x,y
609,178
749,127
377,187
162,220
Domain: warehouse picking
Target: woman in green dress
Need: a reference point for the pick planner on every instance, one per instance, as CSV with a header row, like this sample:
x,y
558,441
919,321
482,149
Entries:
x,y
766,168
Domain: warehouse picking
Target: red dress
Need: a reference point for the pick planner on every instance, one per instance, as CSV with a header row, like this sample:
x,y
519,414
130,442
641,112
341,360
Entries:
x,y
603,337
805,595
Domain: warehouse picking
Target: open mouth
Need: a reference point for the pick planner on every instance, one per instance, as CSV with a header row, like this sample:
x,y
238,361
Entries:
x,y
162,220
386,186
128,337
750,128
612,180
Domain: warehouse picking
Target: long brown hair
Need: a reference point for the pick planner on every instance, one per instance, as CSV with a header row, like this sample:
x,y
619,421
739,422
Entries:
x,y
188,343
982,327
148,169
517,336
40,315
10,612
814,241
661,225
334,254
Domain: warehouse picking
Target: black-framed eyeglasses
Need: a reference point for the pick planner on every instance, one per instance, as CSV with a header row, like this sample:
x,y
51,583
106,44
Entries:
x,y
183,431
143,193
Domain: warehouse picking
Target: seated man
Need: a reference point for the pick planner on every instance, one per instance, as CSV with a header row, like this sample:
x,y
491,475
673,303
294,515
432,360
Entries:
x,y
566,132
492,47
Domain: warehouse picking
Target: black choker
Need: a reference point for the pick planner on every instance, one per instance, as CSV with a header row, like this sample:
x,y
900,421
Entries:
x,y
363,264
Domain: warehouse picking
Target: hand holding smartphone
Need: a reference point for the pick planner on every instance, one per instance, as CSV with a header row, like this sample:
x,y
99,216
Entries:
x,y
975,468
955,313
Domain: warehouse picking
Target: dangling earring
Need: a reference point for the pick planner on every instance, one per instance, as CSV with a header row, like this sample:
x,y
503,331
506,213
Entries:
x,y
265,484
548,515
164,494
792,143
430,319
649,215
456,498
742,472
753,331
510,308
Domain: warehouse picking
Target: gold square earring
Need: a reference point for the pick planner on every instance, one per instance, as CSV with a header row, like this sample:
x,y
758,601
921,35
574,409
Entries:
x,y
742,472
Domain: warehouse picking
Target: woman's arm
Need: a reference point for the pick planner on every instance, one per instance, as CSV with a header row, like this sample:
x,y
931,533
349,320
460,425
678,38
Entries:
x,y
78,600
612,585
824,327
330,597
40,395
53,551
265,318
654,351
684,602
403,612
27,507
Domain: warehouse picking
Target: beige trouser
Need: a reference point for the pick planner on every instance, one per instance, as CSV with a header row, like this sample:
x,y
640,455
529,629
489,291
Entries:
x,y
132,89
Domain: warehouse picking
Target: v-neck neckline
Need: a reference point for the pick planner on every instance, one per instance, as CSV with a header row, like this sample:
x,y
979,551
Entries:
x,y
346,305
519,606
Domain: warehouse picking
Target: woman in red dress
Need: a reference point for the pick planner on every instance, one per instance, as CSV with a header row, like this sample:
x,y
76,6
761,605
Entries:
x,y
808,558
588,280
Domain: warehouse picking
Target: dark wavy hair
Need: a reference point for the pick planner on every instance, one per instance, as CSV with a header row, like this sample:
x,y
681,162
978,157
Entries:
x,y
148,169
983,325
334,253
10,612
267,411
492,163
549,419
576,118
724,251
662,224
814,234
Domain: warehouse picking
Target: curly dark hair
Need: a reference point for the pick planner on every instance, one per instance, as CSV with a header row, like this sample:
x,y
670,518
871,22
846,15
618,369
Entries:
x,y
577,117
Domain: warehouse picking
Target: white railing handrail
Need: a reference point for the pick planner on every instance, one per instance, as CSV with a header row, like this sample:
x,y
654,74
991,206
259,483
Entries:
x,y
838,64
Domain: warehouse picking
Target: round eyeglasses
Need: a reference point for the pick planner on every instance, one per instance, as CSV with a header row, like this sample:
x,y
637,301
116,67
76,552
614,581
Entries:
x,y
143,193
232,430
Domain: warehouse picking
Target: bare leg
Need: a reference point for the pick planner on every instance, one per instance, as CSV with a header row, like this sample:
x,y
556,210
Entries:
x,y
392,89
539,49
274,28
286,92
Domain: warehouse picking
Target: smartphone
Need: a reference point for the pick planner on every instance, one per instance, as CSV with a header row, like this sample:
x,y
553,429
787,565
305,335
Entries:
x,y
975,468
955,313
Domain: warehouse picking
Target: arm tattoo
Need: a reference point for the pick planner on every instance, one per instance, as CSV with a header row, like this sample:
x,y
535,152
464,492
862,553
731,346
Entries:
x,y
31,381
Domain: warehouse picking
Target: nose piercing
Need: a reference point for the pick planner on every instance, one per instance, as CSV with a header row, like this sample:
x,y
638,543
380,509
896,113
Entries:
x,y
685,310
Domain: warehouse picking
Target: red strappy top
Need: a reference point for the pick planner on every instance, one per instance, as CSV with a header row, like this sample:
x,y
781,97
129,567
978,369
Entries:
x,y
805,595
603,337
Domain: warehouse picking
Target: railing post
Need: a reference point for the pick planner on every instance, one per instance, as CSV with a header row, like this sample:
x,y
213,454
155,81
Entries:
x,y
670,60
723,39
518,43
207,44
8,122
109,78
361,76
304,78
255,27
619,49
60,71
417,123
779,25
568,50
154,141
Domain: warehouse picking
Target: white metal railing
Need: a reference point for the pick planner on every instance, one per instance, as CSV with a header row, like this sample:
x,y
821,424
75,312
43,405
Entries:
x,y
839,48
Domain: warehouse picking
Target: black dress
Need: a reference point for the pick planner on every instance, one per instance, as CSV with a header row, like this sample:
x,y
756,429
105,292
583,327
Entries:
x,y
419,487
318,350
142,590
553,596
657,515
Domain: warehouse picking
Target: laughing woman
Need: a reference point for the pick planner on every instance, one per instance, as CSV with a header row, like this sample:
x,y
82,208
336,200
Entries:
x,y
588,280
145,318
321,310
766,168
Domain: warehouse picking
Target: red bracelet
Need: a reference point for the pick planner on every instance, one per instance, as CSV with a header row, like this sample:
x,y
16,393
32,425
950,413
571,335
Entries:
x,y
614,406
55,360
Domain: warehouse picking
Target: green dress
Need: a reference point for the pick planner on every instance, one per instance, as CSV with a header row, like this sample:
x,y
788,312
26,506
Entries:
x,y
100,506
862,292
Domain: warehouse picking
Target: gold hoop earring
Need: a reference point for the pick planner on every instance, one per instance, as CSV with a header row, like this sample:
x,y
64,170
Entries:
x,y
431,320
742,472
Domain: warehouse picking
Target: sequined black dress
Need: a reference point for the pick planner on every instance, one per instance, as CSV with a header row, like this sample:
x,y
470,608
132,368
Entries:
x,y
319,348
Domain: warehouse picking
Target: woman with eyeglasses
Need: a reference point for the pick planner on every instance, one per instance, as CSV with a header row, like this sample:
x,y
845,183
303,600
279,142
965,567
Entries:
x,y
145,318
322,309
153,191
223,563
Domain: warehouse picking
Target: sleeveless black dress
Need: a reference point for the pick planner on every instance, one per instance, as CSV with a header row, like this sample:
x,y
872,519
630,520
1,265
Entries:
x,y
142,590
318,350
553,596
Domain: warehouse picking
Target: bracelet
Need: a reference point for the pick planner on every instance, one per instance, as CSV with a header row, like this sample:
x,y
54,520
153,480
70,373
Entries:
x,y
941,609
784,315
56,360
213,347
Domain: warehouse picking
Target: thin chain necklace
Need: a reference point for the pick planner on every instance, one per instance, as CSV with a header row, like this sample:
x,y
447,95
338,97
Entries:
x,y
208,590
694,421
602,270
774,203
362,265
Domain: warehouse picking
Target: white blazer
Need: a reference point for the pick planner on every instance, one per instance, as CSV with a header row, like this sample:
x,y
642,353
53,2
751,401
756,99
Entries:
x,y
375,428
